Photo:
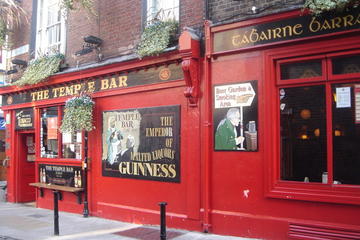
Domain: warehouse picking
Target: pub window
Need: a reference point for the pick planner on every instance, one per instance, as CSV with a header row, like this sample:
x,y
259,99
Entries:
x,y
51,140
309,113
301,70
346,64
49,136
162,9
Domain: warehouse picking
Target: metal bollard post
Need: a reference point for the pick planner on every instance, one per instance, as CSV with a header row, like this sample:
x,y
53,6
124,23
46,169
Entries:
x,y
162,220
56,213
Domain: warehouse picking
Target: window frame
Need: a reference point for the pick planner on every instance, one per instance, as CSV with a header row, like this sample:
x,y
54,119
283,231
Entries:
x,y
59,158
41,42
148,19
283,189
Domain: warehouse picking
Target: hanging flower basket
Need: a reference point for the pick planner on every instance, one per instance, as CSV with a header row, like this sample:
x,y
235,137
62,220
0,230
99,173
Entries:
x,y
78,114
157,37
320,6
40,68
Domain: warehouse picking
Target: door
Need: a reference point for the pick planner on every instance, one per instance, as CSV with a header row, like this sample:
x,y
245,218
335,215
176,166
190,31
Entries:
x,y
26,167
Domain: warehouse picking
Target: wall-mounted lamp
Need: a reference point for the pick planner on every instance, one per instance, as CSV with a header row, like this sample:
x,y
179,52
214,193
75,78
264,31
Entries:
x,y
90,43
93,40
19,62
12,71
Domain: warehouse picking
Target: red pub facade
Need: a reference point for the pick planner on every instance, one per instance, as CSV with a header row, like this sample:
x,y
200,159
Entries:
x,y
257,138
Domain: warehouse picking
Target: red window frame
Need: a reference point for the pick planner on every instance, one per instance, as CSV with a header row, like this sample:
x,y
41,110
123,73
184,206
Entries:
x,y
274,186
59,158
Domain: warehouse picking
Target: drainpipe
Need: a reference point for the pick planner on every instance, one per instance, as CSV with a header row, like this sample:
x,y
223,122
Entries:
x,y
207,129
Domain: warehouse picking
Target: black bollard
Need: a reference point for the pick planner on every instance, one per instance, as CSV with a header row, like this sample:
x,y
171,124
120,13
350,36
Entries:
x,y
56,213
162,220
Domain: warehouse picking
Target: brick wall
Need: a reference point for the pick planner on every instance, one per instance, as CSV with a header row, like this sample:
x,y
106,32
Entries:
x,y
224,11
118,24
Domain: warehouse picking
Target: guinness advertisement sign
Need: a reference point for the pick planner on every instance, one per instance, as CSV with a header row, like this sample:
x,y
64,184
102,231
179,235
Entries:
x,y
111,82
142,143
286,29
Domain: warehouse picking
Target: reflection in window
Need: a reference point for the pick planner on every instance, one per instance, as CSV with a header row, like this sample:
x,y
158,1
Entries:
x,y
347,64
303,133
300,70
346,132
71,145
49,132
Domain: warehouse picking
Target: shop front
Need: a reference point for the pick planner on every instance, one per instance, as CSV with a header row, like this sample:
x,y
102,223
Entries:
x,y
142,151
283,159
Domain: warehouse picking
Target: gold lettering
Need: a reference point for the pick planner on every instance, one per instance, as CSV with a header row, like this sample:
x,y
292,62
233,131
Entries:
x,y
296,27
69,90
236,40
33,96
263,36
287,29
55,92
276,33
348,20
77,88
314,25
122,81
357,19
254,36
245,39
62,91
326,25
91,86
104,84
336,22
172,171
113,83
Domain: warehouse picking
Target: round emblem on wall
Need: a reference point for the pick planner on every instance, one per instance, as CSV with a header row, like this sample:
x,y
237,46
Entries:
x,y
9,100
164,74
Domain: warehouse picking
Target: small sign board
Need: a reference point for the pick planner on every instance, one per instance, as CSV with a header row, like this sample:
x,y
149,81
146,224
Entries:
x,y
24,118
63,175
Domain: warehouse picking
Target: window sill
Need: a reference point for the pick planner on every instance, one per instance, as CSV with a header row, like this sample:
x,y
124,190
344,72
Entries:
x,y
59,160
316,192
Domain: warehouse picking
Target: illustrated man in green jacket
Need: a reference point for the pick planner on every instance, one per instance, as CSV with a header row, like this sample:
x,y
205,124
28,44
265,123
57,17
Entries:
x,y
226,135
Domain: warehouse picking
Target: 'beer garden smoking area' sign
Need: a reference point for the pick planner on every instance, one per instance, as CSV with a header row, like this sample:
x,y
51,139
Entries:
x,y
235,107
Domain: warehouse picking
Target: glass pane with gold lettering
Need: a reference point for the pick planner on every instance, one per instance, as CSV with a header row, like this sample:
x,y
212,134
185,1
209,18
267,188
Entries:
x,y
346,132
49,133
346,65
303,133
301,70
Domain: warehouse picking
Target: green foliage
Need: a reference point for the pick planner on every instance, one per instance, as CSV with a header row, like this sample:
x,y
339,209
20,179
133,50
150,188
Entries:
x,y
78,114
320,6
88,5
156,37
3,33
40,68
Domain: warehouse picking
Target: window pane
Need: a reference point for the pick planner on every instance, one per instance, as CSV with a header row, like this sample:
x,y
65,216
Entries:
x,y
162,9
49,132
303,133
301,70
348,64
346,133
71,145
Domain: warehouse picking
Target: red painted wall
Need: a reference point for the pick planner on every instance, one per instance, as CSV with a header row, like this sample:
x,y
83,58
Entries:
x,y
239,204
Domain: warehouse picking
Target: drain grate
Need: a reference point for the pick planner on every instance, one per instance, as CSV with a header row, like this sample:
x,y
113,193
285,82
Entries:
x,y
144,233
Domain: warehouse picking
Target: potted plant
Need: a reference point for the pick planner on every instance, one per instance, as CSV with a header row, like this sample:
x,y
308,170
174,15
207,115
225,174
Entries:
x,y
320,6
78,114
40,69
156,37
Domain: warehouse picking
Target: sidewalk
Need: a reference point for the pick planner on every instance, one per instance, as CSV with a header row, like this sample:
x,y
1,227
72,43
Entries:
x,y
25,222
